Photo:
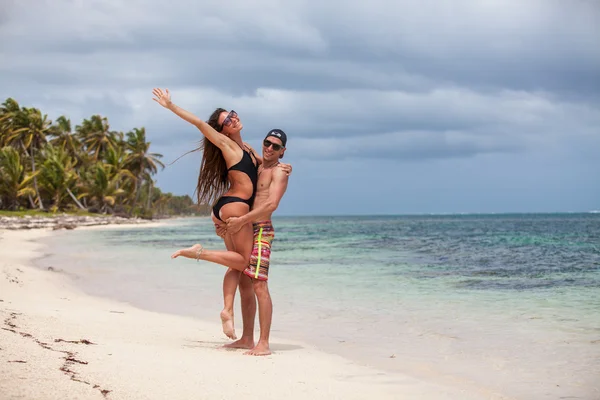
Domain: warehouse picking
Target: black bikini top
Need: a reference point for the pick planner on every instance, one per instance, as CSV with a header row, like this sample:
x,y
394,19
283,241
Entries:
x,y
247,166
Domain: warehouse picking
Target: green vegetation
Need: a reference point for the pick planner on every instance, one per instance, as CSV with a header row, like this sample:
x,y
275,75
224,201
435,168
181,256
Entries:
x,y
49,167
39,213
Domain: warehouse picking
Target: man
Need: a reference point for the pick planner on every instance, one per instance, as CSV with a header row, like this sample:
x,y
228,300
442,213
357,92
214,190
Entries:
x,y
271,186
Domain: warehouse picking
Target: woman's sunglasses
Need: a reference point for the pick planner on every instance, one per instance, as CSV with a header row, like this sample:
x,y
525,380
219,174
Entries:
x,y
227,121
268,143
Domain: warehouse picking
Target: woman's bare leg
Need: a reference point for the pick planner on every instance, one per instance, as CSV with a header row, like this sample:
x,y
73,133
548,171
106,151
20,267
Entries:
x,y
248,300
242,242
226,258
237,256
230,281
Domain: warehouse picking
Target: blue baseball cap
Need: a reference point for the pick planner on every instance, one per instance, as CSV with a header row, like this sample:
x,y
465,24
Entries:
x,y
279,134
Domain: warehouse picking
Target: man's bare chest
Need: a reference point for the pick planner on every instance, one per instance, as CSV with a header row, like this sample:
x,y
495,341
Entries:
x,y
264,179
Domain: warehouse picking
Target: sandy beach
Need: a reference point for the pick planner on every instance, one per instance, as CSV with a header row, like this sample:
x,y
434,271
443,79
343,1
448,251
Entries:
x,y
58,343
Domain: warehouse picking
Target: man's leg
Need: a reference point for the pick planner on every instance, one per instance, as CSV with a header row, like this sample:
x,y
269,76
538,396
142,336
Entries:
x,y
265,315
248,315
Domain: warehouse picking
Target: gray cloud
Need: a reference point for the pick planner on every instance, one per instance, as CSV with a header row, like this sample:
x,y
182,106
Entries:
x,y
383,80
529,45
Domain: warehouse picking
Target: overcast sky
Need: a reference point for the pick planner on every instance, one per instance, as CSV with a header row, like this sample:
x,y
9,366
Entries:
x,y
390,107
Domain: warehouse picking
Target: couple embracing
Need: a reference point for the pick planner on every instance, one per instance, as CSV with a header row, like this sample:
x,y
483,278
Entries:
x,y
245,189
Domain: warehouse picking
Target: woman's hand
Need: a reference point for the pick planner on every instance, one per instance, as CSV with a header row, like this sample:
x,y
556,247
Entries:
x,y
162,98
287,168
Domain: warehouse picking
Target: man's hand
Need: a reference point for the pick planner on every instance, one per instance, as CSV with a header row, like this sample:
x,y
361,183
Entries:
x,y
234,224
221,229
287,168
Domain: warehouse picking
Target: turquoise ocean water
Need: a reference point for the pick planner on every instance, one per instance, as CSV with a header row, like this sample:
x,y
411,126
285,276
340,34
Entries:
x,y
495,303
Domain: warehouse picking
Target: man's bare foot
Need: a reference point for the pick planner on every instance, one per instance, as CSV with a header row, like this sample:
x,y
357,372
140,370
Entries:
x,y
227,322
261,349
243,343
190,252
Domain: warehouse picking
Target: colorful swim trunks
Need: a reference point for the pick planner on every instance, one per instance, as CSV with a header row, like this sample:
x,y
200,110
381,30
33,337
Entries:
x,y
261,251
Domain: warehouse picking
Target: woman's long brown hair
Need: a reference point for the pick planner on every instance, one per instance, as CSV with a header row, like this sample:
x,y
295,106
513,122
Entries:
x,y
212,180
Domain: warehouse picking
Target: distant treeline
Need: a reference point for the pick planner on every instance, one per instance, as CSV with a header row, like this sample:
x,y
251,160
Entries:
x,y
49,166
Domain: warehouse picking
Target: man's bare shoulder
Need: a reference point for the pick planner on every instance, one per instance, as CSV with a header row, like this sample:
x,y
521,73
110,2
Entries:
x,y
279,173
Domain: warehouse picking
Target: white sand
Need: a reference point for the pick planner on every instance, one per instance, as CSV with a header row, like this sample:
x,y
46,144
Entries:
x,y
138,354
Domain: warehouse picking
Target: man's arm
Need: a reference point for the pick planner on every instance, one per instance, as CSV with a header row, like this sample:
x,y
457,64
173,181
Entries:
x,y
279,182
221,229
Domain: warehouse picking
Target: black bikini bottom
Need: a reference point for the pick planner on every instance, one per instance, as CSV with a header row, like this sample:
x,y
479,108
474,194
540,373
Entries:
x,y
226,200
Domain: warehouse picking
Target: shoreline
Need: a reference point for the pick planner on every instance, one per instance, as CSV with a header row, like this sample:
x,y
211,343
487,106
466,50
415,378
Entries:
x,y
58,342
66,221
72,221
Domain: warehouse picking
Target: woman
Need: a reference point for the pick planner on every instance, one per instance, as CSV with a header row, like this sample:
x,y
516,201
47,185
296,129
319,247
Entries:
x,y
227,179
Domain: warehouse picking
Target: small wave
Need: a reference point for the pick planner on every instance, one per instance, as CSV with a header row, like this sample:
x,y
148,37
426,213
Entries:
x,y
522,285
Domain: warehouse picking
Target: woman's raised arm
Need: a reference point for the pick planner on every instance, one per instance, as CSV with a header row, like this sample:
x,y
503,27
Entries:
x,y
164,99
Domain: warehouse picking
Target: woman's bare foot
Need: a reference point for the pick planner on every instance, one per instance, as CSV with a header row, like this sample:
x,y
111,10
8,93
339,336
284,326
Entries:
x,y
191,252
227,322
261,349
243,343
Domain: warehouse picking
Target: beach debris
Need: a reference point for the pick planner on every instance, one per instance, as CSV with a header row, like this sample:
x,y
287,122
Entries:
x,y
103,391
70,357
13,279
64,226
9,320
117,312
393,356
43,344
81,341
74,360
18,361
50,268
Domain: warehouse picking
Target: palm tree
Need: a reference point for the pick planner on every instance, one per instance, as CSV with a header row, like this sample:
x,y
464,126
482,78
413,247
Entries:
x,y
29,133
8,113
116,160
96,136
65,139
58,176
162,203
11,123
101,186
140,161
14,181
98,166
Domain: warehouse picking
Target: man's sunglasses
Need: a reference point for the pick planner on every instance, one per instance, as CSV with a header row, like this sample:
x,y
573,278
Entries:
x,y
268,143
227,121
